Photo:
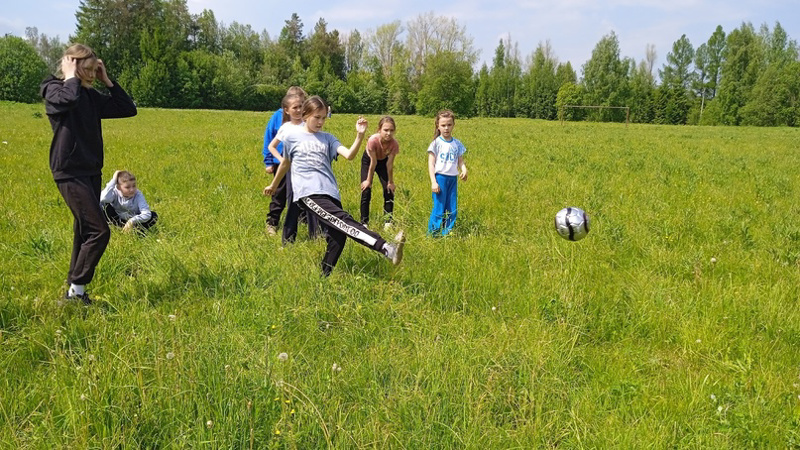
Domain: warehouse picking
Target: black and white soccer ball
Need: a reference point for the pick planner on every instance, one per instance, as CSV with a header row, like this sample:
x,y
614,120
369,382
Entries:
x,y
572,223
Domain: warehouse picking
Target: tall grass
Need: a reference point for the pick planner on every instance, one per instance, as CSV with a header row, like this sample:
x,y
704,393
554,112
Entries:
x,y
674,324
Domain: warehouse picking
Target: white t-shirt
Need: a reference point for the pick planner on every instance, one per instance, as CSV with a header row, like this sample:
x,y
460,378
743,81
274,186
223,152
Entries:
x,y
447,154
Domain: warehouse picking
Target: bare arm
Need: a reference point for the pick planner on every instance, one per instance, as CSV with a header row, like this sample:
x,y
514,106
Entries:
x,y
390,172
282,169
273,148
463,167
432,172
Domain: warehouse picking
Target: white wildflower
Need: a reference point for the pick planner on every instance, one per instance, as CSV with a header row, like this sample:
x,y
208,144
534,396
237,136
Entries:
x,y
209,424
283,356
172,317
170,355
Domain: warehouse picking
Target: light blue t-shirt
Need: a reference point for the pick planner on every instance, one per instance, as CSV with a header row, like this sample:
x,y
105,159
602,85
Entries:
x,y
311,155
447,154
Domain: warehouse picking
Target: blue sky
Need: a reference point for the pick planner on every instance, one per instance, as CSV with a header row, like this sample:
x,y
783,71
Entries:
x,y
573,27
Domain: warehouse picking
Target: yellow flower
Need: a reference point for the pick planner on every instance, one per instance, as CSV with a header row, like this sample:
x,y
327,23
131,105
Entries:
x,y
277,432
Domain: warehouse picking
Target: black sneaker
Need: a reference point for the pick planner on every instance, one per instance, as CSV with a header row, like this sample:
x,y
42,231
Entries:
x,y
82,299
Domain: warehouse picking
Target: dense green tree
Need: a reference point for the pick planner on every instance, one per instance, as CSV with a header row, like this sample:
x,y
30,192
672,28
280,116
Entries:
x,y
482,101
400,96
540,84
446,85
206,33
677,78
114,30
245,44
643,88
605,79
21,70
780,50
569,94
291,37
677,71
775,98
328,47
742,61
566,74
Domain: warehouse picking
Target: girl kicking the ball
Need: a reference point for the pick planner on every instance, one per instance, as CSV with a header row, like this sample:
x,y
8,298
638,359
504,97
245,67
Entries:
x,y
445,158
309,152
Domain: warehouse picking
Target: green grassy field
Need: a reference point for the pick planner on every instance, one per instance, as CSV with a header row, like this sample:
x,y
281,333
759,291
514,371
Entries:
x,y
674,324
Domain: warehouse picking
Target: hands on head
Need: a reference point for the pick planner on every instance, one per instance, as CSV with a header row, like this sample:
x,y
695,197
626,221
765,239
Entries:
x,y
102,74
68,66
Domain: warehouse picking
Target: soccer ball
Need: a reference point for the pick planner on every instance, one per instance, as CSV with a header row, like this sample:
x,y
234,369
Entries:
x,y
572,224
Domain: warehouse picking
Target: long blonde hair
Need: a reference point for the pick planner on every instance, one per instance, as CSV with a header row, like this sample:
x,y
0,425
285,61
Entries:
x,y
85,62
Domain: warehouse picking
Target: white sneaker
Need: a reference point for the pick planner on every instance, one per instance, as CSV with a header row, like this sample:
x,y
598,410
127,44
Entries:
x,y
271,230
400,242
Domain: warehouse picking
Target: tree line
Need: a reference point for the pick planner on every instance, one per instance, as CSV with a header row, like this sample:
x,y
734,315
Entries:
x,y
167,57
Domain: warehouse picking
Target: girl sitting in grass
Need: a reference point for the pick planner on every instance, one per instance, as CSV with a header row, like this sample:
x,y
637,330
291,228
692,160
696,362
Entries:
x,y
124,203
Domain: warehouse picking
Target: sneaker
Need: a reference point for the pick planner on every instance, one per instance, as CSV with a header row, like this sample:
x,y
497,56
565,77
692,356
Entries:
x,y
400,242
272,230
83,299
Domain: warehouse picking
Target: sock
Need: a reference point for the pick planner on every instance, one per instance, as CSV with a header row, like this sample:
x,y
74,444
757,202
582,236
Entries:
x,y
76,289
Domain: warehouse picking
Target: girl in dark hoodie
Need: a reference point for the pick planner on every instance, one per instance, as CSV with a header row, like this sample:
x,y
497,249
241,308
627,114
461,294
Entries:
x,y
76,154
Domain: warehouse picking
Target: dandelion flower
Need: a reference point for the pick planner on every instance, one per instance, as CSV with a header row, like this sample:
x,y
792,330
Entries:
x,y
277,432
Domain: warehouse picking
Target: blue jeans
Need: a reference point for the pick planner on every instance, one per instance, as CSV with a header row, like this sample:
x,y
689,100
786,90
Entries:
x,y
444,205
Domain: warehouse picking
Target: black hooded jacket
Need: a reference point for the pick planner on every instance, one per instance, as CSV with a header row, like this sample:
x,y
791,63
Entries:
x,y
75,112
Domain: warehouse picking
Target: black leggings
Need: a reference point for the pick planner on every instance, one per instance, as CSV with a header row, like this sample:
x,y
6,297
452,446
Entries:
x,y
366,195
338,226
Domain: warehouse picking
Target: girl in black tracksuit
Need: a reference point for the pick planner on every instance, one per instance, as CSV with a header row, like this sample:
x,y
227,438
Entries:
x,y
76,154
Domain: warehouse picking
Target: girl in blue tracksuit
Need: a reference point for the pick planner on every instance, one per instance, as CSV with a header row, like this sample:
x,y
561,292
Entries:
x,y
445,158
